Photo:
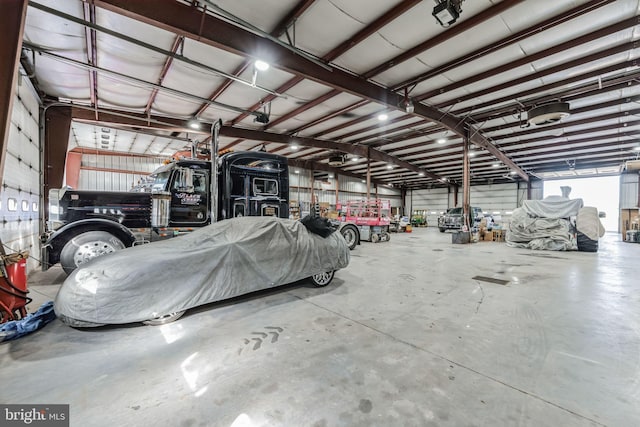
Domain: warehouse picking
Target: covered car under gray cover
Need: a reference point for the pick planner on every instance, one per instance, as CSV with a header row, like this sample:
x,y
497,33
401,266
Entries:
x,y
220,261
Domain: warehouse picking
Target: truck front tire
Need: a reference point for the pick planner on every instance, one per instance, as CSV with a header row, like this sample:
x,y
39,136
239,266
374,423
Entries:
x,y
86,246
350,234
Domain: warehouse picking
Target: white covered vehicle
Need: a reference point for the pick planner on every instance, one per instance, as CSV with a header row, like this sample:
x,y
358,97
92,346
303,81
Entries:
x,y
155,283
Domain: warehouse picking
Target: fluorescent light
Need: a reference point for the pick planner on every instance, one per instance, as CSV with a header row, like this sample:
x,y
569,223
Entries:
x,y
420,173
382,117
636,148
194,124
513,172
389,166
364,180
472,153
297,171
495,165
293,147
441,141
355,159
330,175
261,65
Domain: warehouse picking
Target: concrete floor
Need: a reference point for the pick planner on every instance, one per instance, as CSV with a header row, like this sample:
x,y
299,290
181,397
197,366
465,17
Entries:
x,y
403,337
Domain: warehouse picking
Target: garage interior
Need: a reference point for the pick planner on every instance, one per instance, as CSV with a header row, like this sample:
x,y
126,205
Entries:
x,y
430,105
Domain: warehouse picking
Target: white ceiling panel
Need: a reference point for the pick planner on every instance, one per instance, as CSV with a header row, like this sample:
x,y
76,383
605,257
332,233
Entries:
x,y
64,81
325,25
264,16
134,29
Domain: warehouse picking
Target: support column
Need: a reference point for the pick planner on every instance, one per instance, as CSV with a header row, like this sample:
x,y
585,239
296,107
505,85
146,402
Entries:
x,y
72,168
455,195
529,190
466,179
368,175
403,204
12,17
57,126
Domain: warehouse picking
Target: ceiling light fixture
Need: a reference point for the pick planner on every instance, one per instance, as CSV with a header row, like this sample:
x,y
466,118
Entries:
x,y
355,159
407,103
261,65
447,12
495,165
194,124
420,173
331,176
389,166
636,148
336,159
297,171
382,117
441,141
294,147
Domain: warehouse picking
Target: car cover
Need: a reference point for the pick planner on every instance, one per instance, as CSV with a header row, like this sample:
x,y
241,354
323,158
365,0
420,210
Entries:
x,y
220,261
544,224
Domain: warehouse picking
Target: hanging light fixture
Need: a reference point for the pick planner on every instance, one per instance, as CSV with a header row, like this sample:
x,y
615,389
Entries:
x,y
447,12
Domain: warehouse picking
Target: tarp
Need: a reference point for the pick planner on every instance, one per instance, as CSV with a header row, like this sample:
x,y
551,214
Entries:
x,y
526,231
589,223
553,207
34,321
220,261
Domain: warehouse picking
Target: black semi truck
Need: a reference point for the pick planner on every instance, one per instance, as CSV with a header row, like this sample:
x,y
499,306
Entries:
x,y
180,197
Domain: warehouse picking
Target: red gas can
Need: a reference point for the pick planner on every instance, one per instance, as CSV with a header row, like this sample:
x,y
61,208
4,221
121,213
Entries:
x,y
13,299
17,273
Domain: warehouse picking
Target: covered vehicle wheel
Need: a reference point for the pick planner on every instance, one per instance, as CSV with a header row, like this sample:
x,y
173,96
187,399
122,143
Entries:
x,y
350,235
322,279
162,320
386,237
87,246
441,229
375,238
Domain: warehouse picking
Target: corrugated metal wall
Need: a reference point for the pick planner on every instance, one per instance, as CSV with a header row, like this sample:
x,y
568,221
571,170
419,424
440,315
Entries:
x,y
502,198
349,189
537,191
433,201
629,190
20,193
495,198
114,173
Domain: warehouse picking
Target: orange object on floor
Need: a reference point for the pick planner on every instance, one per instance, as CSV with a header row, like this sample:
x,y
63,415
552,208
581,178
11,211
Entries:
x,y
13,291
408,229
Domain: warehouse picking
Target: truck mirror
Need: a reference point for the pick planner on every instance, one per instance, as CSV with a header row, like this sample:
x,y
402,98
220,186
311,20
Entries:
x,y
184,180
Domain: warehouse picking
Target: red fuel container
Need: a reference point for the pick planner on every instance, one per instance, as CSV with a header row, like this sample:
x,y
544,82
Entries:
x,y
13,301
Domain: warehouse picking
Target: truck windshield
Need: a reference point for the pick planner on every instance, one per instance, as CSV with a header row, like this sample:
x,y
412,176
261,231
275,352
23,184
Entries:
x,y
160,181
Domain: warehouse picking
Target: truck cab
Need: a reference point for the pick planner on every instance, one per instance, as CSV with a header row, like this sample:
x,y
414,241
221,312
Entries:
x,y
178,197
453,219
